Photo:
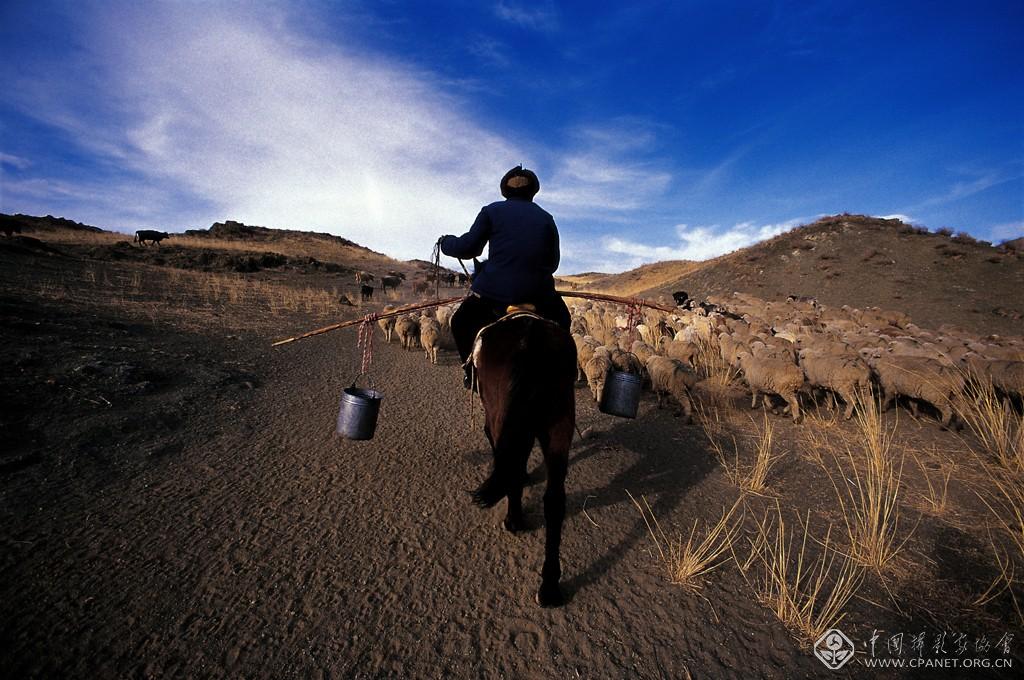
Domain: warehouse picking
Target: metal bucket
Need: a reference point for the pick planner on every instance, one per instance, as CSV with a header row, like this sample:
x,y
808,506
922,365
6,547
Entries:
x,y
357,414
621,396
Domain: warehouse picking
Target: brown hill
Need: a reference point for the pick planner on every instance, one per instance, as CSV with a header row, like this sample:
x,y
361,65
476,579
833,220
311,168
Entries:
x,y
225,246
936,278
48,223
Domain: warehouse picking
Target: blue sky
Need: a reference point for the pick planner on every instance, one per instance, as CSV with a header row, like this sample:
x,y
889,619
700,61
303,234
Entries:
x,y
659,130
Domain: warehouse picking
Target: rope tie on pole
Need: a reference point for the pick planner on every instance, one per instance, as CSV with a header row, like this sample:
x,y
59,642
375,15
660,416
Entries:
x,y
364,341
635,313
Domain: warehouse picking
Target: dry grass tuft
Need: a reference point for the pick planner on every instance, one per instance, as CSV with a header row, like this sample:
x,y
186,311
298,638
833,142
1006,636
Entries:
x,y
998,429
712,367
685,562
764,461
715,430
936,500
80,237
180,294
809,595
749,478
871,509
819,435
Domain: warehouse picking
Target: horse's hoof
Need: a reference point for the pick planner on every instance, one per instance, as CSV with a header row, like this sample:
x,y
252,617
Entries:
x,y
514,526
550,596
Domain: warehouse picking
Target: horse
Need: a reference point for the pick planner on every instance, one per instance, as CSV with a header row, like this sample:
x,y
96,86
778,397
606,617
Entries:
x,y
526,376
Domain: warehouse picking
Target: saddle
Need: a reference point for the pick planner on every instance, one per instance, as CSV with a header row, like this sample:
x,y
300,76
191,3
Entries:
x,y
511,312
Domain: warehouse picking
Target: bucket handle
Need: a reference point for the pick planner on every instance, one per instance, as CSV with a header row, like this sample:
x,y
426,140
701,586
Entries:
x,y
356,379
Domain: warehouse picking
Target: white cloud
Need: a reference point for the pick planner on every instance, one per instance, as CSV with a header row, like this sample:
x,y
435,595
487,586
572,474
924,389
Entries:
x,y
906,219
538,16
598,176
1006,231
256,123
588,185
617,253
982,181
14,161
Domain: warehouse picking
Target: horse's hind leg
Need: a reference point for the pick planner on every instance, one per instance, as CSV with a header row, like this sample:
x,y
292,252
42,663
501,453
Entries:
x,y
556,459
514,521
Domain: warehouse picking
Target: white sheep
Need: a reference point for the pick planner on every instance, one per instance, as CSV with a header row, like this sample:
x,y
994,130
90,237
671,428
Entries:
x,y
917,378
625,361
387,325
683,350
444,316
771,375
1005,376
845,374
430,337
596,371
671,377
408,330
585,346
642,350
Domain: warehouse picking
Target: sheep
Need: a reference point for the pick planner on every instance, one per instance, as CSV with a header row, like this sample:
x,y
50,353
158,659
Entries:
x,y
596,371
594,319
771,375
729,346
642,350
408,329
918,378
430,337
578,325
646,333
844,374
444,316
682,350
773,348
1006,377
626,362
673,378
585,347
387,324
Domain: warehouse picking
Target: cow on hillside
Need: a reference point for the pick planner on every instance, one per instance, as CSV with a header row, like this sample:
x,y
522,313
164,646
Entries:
x,y
9,225
143,235
366,293
389,282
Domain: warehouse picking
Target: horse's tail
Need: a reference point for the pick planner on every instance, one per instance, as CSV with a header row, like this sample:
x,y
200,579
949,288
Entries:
x,y
525,408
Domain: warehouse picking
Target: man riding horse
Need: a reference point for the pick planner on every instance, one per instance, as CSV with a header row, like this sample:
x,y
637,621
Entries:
x,y
525,363
519,271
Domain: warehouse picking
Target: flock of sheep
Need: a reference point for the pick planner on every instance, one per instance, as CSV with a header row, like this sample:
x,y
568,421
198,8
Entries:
x,y
430,330
779,350
785,349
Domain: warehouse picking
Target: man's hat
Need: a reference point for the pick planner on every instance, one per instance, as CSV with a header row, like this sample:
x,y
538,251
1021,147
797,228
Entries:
x,y
520,183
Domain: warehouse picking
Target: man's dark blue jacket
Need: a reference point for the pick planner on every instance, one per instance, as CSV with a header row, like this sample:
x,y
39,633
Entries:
x,y
523,252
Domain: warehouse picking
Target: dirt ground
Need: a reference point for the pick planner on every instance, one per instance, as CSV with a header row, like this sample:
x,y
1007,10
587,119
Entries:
x,y
175,503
